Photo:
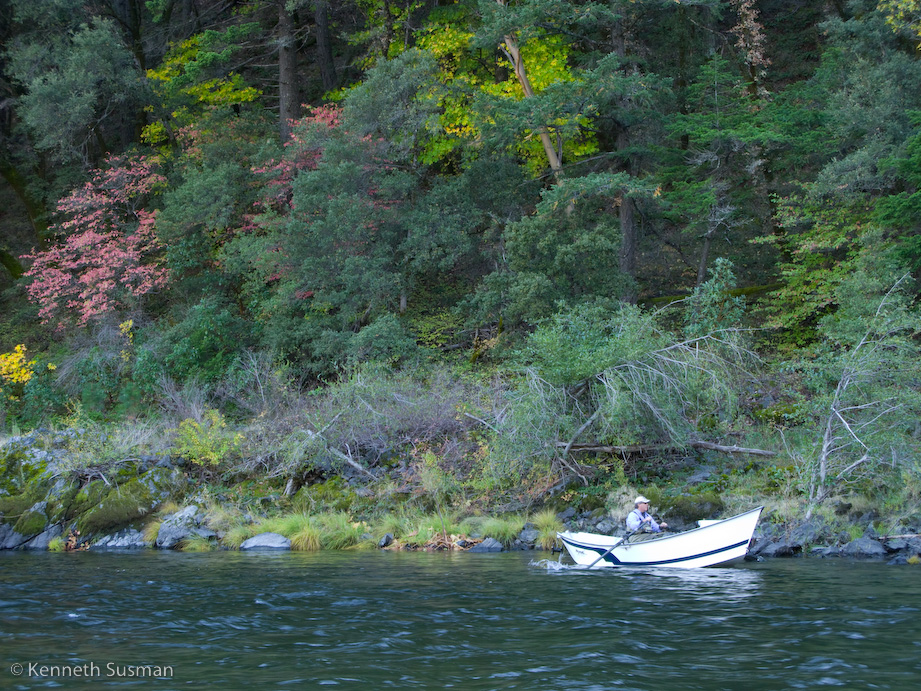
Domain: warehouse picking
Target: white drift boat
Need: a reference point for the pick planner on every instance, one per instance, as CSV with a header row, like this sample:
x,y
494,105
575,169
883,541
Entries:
x,y
716,542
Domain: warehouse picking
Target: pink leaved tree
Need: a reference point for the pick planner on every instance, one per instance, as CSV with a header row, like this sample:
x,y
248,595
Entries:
x,y
106,256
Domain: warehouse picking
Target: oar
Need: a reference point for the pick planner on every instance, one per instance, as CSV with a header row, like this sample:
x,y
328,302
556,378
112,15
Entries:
x,y
608,551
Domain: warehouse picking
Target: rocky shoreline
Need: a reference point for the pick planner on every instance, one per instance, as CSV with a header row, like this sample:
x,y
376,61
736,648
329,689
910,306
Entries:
x,y
43,505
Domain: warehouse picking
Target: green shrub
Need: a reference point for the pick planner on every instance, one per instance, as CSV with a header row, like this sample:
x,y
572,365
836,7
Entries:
x,y
207,443
56,545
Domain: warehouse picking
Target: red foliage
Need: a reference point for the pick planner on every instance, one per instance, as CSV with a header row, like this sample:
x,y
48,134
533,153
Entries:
x,y
103,261
300,155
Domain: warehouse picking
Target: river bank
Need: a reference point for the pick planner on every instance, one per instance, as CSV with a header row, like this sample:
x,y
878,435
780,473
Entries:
x,y
155,503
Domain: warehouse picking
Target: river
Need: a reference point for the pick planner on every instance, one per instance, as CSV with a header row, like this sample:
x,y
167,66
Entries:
x,y
403,620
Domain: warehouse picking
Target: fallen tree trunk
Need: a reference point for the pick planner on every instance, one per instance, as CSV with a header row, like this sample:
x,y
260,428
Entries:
x,y
649,448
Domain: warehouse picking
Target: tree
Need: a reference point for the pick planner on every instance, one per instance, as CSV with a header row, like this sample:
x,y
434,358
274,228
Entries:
x,y
858,106
867,399
82,86
708,191
106,258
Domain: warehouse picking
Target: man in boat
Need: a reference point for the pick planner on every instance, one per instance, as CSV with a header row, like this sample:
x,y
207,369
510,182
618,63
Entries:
x,y
640,520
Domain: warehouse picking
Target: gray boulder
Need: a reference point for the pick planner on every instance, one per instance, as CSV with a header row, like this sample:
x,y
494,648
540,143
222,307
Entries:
x,y
266,541
782,548
864,548
896,544
9,538
490,544
129,538
566,513
43,539
529,536
177,527
606,527
385,541
807,533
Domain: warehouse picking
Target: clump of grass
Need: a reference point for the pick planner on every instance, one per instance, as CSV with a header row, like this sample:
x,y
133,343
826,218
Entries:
x,y
237,535
338,531
221,518
548,525
285,524
197,543
152,530
914,560
56,545
306,537
168,507
505,530
390,523
473,526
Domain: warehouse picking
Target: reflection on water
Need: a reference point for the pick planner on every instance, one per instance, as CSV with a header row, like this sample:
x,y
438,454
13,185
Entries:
x,y
406,620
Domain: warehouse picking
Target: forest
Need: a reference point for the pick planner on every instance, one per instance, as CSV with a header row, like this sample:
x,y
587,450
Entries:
x,y
481,255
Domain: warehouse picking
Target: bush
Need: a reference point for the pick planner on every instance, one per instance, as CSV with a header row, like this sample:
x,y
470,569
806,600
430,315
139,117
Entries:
x,y
207,443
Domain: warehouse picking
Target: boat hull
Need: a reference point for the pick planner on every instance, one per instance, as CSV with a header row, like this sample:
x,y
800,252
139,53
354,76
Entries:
x,y
716,543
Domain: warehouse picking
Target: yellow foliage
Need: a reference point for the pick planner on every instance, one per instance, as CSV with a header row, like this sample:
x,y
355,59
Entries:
x,y
207,443
15,370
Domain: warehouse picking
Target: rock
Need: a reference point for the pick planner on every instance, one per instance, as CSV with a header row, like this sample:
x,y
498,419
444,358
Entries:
x,y
870,532
760,544
529,536
33,521
385,541
606,527
462,543
490,544
914,546
896,544
863,548
807,533
778,549
266,541
124,504
898,560
566,514
700,476
177,527
43,539
9,538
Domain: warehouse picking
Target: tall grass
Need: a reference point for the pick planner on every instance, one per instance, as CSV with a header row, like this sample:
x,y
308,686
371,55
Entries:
x,y
504,529
548,525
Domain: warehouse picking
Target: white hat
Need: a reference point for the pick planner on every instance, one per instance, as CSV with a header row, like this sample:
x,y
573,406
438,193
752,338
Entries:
x,y
640,500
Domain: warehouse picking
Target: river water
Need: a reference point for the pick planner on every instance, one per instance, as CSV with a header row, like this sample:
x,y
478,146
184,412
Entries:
x,y
381,620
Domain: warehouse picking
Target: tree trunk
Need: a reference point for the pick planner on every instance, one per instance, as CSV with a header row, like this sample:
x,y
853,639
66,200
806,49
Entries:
x,y
287,72
627,217
704,256
325,46
514,56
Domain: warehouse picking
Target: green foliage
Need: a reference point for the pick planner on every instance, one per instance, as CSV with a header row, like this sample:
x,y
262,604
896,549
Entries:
x,y
75,78
207,443
577,344
864,391
712,307
203,345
